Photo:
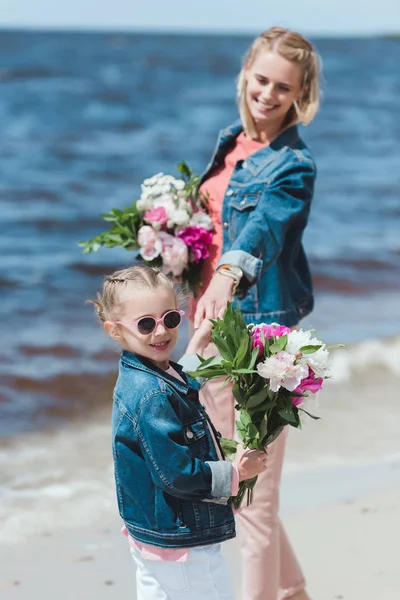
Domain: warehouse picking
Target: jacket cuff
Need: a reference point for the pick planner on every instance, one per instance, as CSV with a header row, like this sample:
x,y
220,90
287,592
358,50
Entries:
x,y
250,265
221,483
189,362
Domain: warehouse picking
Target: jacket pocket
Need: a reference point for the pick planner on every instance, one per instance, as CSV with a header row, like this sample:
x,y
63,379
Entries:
x,y
241,207
196,439
245,201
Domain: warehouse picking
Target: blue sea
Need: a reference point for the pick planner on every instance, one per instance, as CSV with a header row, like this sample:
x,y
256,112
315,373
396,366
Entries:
x,y
85,117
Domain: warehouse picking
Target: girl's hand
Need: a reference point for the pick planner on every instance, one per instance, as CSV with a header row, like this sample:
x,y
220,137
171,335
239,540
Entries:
x,y
250,463
214,299
200,339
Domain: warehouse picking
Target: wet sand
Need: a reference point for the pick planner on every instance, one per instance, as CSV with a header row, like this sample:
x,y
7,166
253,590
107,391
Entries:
x,y
348,551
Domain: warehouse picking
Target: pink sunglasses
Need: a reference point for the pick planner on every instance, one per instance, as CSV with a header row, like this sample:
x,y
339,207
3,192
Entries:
x,y
146,325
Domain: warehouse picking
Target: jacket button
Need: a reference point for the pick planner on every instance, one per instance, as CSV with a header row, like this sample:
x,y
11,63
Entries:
x,y
244,165
243,202
229,192
190,434
226,225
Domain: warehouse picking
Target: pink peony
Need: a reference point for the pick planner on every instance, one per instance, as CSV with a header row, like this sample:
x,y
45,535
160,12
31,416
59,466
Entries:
x,y
311,383
281,370
198,240
156,215
174,254
149,241
260,332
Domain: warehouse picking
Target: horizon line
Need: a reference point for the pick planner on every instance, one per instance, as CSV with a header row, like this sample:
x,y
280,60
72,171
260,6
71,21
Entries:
x,y
182,31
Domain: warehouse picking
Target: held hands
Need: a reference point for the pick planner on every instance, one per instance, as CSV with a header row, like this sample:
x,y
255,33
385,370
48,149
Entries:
x,y
214,300
250,463
200,339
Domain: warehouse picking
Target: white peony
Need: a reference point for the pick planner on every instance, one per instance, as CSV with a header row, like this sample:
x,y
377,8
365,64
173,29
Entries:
x,y
282,372
317,361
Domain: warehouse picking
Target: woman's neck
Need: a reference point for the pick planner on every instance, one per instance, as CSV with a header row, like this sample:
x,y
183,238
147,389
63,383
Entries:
x,y
267,134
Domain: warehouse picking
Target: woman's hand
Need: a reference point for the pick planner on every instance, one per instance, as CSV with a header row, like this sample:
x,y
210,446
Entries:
x,y
215,298
250,463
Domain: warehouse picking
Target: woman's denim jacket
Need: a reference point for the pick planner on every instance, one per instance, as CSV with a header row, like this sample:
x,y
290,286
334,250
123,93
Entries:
x,y
264,213
172,489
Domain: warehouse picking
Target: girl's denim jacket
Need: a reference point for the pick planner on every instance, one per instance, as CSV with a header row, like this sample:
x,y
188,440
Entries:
x,y
264,213
172,489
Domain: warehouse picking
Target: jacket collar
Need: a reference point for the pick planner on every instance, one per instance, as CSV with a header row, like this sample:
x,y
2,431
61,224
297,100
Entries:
x,y
143,364
288,137
256,162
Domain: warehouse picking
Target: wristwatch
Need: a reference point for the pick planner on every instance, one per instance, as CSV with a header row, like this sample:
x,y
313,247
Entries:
x,y
232,271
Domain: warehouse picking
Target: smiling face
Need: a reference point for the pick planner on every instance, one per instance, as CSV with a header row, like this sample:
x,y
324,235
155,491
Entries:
x,y
156,346
273,84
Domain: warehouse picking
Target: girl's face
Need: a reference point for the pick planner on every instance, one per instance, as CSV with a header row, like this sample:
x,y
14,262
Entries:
x,y
273,84
157,345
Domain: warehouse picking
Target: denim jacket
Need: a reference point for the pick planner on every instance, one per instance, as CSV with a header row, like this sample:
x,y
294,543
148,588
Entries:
x,y
172,489
264,213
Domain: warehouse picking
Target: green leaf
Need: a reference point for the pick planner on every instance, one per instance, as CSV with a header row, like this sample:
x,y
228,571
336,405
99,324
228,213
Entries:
x,y
252,432
272,435
287,415
229,447
238,394
254,356
310,349
223,348
257,399
279,344
245,417
211,362
240,426
184,170
241,434
243,348
265,406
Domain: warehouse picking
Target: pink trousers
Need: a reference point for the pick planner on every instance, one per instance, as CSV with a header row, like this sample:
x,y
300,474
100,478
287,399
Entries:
x,y
270,570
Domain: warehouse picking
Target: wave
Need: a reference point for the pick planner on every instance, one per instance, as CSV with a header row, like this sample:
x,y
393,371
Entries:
x,y
364,359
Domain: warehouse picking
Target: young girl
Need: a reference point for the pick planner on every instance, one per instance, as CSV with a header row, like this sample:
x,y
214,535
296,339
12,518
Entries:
x,y
260,183
171,479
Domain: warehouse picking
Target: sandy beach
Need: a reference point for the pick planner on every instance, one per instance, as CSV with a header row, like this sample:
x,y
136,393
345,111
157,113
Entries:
x,y
348,550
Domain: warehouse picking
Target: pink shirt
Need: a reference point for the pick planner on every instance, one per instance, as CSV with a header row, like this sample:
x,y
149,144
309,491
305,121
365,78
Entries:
x,y
150,552
215,188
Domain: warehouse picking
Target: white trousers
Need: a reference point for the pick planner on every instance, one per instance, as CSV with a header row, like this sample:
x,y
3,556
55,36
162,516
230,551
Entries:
x,y
203,576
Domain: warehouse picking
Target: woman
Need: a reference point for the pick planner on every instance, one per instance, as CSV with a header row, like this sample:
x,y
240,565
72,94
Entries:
x,y
260,184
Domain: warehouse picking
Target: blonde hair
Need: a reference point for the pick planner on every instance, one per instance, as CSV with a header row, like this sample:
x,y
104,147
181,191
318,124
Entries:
x,y
293,47
120,284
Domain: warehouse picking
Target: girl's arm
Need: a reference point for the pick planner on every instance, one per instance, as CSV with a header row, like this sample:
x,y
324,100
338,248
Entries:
x,y
166,449
173,468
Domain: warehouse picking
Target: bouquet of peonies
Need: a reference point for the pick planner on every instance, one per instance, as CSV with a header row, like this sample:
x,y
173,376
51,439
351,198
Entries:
x,y
272,370
168,225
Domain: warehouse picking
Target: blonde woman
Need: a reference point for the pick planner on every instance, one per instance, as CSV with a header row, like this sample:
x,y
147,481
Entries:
x,y
260,183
